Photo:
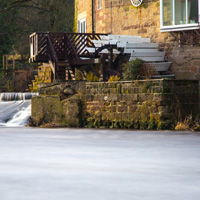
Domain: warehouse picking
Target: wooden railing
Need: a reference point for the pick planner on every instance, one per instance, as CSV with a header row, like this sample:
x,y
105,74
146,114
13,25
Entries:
x,y
66,45
53,59
38,47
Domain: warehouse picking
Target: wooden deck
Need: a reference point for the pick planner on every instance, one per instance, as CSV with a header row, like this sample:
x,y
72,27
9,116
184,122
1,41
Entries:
x,y
66,51
63,51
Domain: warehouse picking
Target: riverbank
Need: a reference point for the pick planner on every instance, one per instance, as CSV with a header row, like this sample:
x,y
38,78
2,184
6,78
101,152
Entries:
x,y
144,104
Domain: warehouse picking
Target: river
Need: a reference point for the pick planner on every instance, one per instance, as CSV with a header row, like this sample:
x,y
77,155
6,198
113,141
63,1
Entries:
x,y
92,164
15,108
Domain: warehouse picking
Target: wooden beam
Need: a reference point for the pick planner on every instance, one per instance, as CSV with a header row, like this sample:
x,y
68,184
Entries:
x,y
103,66
3,65
111,59
86,61
6,62
14,65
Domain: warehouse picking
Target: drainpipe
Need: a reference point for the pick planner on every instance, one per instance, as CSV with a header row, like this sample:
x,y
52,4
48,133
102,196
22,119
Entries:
x,y
111,17
93,16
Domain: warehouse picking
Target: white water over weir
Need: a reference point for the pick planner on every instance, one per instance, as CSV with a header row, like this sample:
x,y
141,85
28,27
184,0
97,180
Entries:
x,y
15,108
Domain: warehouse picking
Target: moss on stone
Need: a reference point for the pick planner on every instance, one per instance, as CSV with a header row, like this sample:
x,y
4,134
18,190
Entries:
x,y
166,125
91,77
118,88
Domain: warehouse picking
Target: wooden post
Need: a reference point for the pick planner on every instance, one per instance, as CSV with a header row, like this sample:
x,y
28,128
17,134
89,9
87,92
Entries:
x,y
67,74
103,66
6,62
14,65
3,65
111,59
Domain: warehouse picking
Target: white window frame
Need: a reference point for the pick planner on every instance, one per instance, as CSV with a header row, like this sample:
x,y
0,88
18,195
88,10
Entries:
x,y
80,22
99,4
178,27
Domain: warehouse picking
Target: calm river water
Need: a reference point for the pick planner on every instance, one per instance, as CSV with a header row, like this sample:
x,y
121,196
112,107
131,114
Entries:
x,y
91,164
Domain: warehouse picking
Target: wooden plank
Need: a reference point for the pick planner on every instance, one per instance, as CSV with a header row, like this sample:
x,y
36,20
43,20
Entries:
x,y
3,62
148,54
104,37
110,63
43,58
86,61
113,37
160,67
139,50
100,42
103,67
6,62
121,44
105,51
148,59
91,49
134,40
142,45
113,42
117,37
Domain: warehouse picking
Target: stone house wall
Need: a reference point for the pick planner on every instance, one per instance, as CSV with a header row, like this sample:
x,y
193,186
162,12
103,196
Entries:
x,y
121,17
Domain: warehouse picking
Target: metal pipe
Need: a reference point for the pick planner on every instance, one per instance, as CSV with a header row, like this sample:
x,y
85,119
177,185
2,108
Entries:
x,y
93,16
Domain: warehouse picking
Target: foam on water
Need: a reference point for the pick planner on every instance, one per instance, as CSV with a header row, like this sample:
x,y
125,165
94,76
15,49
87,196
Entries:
x,y
13,96
15,109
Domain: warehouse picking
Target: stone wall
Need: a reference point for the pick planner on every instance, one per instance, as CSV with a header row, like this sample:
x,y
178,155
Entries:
x,y
186,62
84,11
59,104
141,104
44,76
149,104
121,17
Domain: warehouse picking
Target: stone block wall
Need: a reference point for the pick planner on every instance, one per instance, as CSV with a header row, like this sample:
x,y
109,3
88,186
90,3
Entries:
x,y
61,104
186,62
141,104
148,104
44,76
121,17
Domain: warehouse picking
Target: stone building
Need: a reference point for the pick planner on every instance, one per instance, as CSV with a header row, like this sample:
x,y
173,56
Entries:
x,y
174,24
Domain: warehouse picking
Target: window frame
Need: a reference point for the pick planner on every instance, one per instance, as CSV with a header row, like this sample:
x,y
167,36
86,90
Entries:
x,y
99,4
80,22
178,27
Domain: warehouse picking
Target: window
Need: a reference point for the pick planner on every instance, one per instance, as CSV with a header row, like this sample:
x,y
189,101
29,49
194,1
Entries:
x,y
82,25
100,4
179,14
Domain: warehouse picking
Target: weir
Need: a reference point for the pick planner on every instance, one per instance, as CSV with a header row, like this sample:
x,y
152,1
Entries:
x,y
15,108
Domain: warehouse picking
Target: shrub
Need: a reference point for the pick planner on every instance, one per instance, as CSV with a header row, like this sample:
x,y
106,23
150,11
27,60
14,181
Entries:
x,y
132,69
181,126
3,85
149,70
113,78
185,125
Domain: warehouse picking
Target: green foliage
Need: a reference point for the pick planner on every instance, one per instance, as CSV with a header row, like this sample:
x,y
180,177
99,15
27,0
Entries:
x,y
3,85
8,29
152,125
91,77
20,18
132,69
75,17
